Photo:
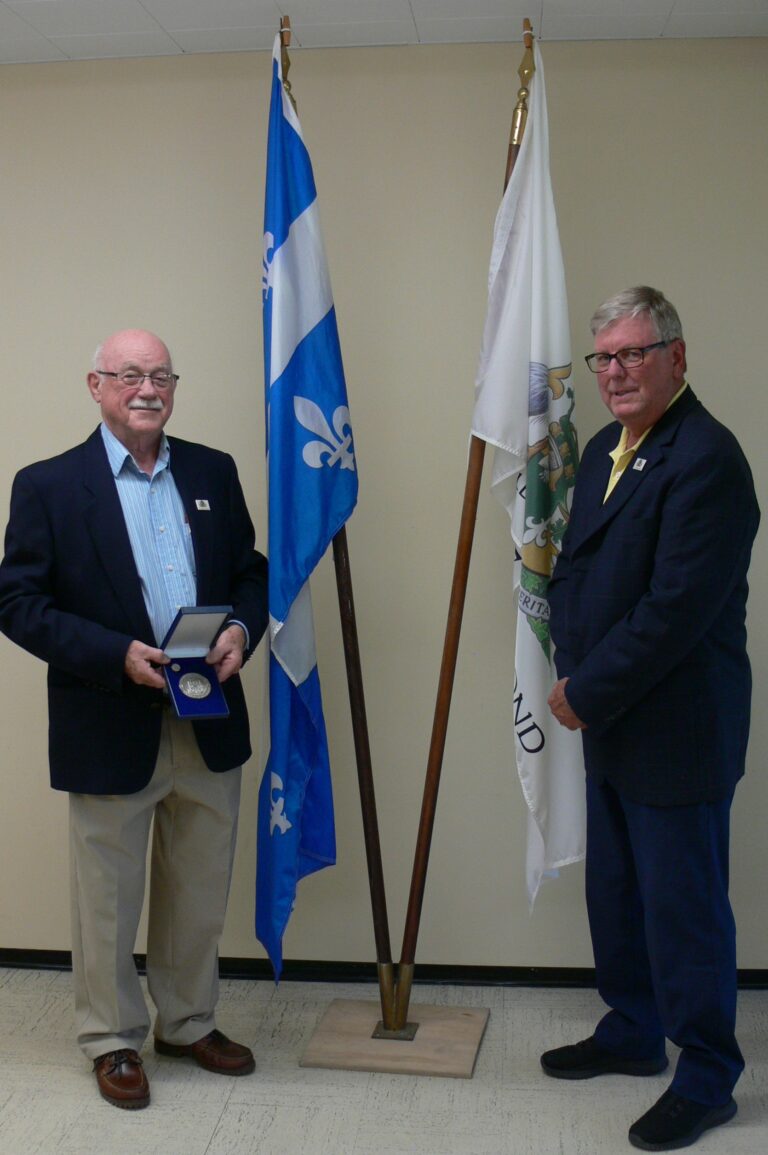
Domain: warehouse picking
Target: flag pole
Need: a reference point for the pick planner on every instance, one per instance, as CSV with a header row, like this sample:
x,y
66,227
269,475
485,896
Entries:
x,y
359,717
365,778
453,628
285,60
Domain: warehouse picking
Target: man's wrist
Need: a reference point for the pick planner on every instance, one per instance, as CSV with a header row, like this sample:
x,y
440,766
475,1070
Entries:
x,y
243,627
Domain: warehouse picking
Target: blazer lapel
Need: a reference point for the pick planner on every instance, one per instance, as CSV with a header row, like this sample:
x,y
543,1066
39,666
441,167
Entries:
x,y
103,515
651,453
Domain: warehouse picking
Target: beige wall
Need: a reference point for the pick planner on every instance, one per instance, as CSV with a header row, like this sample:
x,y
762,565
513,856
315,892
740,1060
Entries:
x,y
132,195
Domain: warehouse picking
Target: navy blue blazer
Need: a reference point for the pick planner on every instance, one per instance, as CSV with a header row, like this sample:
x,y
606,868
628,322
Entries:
x,y
70,594
647,604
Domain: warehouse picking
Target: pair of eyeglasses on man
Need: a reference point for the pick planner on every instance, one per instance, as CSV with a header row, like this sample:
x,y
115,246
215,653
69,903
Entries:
x,y
627,358
130,378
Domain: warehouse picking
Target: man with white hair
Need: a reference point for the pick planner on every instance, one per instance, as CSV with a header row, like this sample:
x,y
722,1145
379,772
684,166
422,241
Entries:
x,y
647,603
104,544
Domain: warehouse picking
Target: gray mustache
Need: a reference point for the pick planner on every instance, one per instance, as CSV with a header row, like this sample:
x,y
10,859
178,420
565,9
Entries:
x,y
155,403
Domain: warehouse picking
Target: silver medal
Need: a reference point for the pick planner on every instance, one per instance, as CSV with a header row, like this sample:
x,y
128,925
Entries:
x,y
195,686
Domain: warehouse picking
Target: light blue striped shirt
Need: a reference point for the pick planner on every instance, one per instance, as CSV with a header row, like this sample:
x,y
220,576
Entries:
x,y
158,530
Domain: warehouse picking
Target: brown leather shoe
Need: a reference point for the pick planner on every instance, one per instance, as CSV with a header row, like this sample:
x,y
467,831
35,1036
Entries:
x,y
214,1052
121,1079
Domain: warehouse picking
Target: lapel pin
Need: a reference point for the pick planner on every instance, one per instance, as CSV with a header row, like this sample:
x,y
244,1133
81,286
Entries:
x,y
639,464
201,503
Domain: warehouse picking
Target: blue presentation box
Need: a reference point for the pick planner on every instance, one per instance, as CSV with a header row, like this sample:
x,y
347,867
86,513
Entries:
x,y
192,684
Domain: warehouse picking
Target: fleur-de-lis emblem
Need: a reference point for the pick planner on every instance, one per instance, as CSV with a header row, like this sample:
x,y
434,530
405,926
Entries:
x,y
266,264
336,443
277,815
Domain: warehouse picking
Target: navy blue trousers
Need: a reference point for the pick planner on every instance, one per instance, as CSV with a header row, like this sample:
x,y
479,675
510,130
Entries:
x,y
664,936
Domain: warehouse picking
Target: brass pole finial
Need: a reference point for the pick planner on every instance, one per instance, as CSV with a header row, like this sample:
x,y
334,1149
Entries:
x,y
525,72
285,60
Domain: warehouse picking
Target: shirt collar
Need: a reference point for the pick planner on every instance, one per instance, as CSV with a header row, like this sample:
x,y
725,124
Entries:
x,y
621,447
118,455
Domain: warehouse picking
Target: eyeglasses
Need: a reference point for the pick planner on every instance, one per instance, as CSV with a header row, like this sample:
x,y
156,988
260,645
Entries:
x,y
627,358
131,378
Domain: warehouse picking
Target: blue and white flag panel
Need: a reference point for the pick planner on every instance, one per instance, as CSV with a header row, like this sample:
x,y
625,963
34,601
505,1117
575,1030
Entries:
x,y
312,491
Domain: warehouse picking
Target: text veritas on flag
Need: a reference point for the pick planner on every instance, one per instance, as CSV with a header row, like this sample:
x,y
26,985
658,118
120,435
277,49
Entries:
x,y
312,480
524,406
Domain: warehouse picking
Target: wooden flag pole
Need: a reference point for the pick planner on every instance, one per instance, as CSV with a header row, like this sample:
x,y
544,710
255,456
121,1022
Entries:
x,y
444,1040
365,778
359,718
453,628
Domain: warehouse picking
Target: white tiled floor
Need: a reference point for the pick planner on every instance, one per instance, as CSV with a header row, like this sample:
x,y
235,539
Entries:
x,y
49,1104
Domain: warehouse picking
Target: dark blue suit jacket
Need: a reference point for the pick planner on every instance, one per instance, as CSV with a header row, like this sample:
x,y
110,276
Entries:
x,y
70,594
647,604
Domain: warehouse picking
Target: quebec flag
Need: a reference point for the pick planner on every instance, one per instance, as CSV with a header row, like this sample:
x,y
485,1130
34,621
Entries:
x,y
312,480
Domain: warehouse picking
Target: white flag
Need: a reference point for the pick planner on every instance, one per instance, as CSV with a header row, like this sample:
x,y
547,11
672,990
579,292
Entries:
x,y
524,407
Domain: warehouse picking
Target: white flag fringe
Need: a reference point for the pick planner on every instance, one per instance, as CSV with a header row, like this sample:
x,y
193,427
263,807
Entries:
x,y
524,407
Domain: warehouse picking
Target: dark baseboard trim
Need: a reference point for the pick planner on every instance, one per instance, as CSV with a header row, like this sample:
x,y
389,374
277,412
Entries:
x,y
319,971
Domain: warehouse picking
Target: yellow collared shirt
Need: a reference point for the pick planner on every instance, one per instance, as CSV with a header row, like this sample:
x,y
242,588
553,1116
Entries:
x,y
621,456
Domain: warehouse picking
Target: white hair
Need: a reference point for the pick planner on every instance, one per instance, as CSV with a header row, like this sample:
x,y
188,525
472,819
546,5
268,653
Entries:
x,y
633,302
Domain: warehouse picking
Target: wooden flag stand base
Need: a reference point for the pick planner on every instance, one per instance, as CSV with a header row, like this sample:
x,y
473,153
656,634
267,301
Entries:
x,y
445,1042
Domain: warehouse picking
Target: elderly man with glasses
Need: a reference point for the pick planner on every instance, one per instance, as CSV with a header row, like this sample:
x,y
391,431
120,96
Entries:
x,y
647,603
104,544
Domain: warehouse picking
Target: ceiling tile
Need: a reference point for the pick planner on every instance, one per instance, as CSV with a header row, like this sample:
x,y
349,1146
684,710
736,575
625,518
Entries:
x,y
225,39
609,8
340,12
125,44
113,28
215,14
72,17
717,25
354,35
470,31
452,21
589,26
13,25
30,50
483,9
719,7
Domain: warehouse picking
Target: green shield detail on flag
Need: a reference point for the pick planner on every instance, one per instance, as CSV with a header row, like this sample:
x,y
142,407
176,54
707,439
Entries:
x,y
550,475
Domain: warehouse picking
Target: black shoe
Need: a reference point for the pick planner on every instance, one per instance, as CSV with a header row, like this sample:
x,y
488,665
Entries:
x,y
587,1059
676,1122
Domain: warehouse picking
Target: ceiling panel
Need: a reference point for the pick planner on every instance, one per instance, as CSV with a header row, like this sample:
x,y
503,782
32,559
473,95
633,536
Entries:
x,y
591,26
32,30
29,50
353,35
609,9
346,11
12,25
719,7
247,39
476,30
483,9
172,14
124,44
719,24
84,17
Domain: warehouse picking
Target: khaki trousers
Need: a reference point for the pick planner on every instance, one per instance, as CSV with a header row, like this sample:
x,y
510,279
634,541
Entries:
x,y
195,826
